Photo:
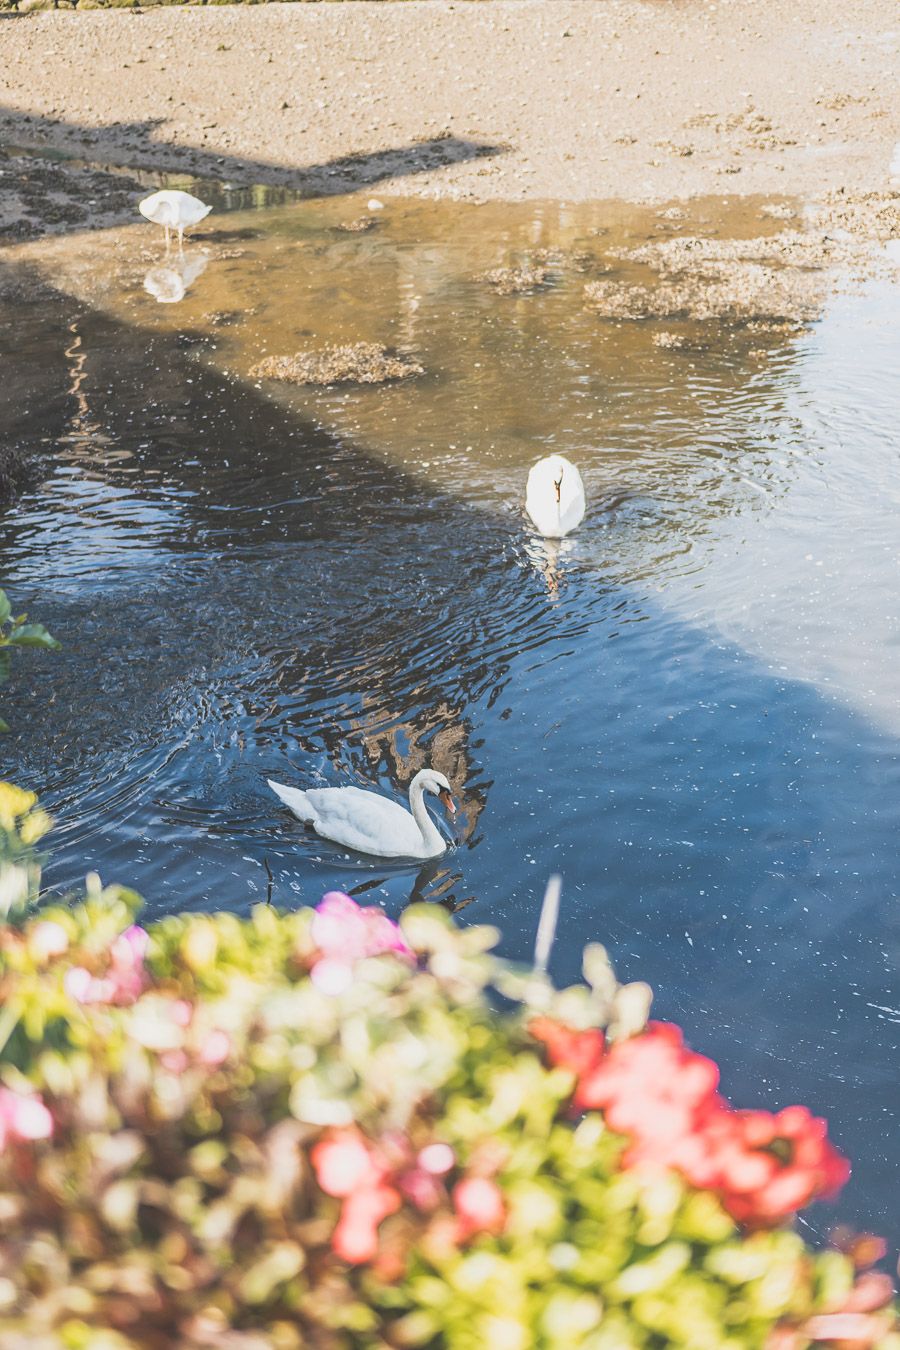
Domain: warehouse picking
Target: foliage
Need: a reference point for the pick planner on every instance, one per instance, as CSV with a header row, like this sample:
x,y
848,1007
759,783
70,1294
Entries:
x,y
18,633
22,822
315,1129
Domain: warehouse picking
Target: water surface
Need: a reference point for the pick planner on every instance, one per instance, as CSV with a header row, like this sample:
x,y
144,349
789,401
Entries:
x,y
691,709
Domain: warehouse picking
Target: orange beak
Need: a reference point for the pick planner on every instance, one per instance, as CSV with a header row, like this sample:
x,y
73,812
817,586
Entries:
x,y
557,484
447,802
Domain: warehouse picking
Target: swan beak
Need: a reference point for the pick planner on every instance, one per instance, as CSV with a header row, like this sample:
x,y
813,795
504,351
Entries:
x,y
557,486
447,802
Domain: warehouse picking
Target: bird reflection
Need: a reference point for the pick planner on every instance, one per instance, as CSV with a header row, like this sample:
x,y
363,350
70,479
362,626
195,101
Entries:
x,y
437,739
170,281
434,883
545,556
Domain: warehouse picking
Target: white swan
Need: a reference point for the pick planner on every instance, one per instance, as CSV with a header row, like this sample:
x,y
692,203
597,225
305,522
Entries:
x,y
173,211
554,496
368,823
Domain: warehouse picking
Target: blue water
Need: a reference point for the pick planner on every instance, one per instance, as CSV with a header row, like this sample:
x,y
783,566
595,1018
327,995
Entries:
x,y
699,734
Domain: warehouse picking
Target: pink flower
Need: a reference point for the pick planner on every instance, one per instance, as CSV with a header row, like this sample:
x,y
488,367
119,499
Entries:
x,y
344,932
343,1162
421,1187
181,1012
437,1159
125,979
176,1061
23,1117
214,1048
78,984
331,976
479,1207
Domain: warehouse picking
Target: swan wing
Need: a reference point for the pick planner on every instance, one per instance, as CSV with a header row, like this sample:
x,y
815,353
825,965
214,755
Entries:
x,y
365,822
173,208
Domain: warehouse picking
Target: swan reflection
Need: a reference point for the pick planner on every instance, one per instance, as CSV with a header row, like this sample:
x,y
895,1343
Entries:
x,y
169,282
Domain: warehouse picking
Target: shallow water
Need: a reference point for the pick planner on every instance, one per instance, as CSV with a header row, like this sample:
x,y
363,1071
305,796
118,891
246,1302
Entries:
x,y
690,709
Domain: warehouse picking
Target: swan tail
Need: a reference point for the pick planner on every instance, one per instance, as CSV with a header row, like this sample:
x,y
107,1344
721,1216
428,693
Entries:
x,y
295,800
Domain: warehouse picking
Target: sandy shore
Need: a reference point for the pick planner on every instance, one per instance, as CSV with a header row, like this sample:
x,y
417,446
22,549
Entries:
x,y
510,99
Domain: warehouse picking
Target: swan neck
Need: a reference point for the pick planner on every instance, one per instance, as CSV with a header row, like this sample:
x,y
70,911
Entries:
x,y
430,832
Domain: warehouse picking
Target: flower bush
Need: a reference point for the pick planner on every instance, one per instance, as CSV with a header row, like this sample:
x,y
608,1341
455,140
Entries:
x,y
316,1129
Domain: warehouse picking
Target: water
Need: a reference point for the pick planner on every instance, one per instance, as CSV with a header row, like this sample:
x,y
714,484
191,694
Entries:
x,y
690,709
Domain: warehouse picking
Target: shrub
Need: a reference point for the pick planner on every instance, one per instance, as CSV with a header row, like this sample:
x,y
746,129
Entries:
x,y
314,1129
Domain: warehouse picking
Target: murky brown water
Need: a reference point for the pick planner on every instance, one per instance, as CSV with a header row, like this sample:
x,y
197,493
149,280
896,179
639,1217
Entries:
x,y
691,708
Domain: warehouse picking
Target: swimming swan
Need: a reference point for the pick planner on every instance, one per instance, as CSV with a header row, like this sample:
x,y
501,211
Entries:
x,y
368,823
173,211
554,496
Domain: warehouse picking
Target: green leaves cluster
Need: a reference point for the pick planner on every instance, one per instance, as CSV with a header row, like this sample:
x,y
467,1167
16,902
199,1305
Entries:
x,y
18,632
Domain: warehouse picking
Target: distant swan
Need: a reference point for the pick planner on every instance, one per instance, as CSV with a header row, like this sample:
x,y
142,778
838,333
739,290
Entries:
x,y
369,823
173,211
554,496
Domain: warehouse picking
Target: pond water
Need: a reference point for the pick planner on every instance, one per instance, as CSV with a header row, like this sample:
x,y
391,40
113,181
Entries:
x,y
690,709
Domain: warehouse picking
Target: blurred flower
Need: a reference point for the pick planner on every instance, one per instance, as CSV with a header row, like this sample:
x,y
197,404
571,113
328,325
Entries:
x,y
479,1207
344,933
346,1166
23,1117
214,1048
665,1098
355,1238
436,1158
125,978
864,1249
768,1166
343,1162
46,940
580,1051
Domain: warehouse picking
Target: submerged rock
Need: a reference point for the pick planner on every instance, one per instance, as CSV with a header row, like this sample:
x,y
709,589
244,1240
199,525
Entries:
x,y
722,291
675,342
355,363
516,280
359,226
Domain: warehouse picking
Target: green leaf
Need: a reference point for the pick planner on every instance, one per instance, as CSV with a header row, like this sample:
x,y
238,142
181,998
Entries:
x,y
5,607
4,726
33,635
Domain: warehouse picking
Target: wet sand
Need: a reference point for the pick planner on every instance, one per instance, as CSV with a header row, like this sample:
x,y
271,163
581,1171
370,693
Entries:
x,y
505,100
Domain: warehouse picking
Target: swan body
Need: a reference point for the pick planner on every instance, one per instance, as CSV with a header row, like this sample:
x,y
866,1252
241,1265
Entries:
x,y
554,496
370,823
173,210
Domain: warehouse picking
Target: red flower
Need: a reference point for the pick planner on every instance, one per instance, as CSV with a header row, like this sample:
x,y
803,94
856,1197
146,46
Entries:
x,y
580,1051
355,1239
348,1167
773,1165
665,1099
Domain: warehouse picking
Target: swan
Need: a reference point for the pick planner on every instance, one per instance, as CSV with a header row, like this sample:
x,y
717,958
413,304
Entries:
x,y
554,496
173,211
369,823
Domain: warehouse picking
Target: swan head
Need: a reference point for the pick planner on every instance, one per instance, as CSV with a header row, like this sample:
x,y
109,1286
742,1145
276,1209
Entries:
x,y
435,782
